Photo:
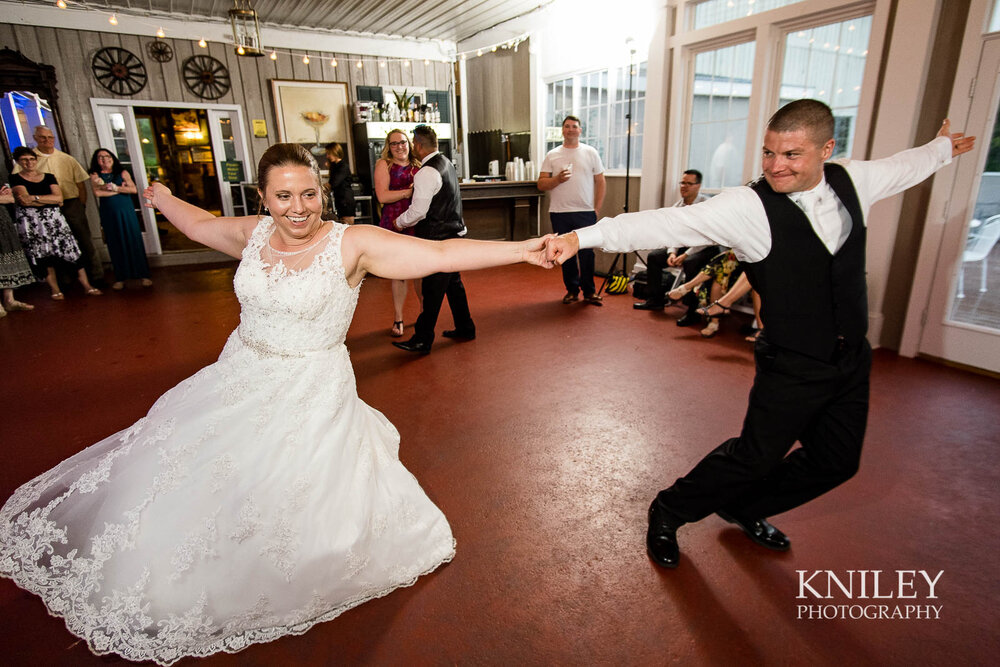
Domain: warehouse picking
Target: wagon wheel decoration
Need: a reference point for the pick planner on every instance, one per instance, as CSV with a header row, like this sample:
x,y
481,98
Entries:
x,y
160,51
119,71
206,77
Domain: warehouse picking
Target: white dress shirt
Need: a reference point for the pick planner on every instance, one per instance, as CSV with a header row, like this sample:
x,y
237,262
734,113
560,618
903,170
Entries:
x,y
694,249
426,183
735,218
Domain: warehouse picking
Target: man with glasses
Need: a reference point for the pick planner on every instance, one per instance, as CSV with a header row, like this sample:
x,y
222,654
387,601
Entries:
x,y
72,179
691,260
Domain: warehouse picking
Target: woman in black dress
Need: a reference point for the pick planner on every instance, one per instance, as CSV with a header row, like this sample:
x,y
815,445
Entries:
x,y
44,232
340,183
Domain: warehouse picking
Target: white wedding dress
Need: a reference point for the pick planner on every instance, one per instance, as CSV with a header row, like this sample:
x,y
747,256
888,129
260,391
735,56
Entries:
x,y
257,498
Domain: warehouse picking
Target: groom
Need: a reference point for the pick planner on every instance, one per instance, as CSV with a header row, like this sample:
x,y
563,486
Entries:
x,y
800,234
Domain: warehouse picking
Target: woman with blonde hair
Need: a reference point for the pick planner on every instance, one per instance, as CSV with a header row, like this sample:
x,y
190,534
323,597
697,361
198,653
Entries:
x,y
394,189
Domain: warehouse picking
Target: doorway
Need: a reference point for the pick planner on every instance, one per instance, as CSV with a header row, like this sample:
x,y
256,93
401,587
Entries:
x,y
197,150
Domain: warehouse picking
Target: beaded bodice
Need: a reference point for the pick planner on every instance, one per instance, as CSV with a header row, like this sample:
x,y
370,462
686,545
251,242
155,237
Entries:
x,y
292,311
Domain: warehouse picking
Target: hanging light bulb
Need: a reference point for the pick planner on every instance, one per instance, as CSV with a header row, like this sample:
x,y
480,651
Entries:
x,y
359,64
406,63
61,4
427,61
240,50
160,33
463,56
381,64
479,52
305,60
274,55
113,20
202,43
333,63
493,48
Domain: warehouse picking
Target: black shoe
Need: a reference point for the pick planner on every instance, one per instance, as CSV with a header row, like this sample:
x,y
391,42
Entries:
x,y
648,304
689,319
661,538
760,531
459,335
413,346
593,300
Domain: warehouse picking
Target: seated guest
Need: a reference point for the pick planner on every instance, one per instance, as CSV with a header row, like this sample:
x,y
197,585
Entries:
x,y
691,260
719,271
722,306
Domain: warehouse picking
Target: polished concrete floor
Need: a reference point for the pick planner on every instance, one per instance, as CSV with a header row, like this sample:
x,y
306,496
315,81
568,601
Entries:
x,y
543,441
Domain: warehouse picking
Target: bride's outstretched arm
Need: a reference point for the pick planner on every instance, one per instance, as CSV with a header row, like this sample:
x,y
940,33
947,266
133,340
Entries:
x,y
370,249
228,235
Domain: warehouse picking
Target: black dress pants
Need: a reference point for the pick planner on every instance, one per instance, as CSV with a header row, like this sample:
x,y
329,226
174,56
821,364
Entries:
x,y
434,288
822,405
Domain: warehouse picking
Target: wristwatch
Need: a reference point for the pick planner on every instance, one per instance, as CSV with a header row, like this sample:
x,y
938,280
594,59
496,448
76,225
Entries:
x,y
36,198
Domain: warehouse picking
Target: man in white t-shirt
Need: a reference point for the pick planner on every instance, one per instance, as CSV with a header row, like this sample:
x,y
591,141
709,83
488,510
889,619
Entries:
x,y
574,177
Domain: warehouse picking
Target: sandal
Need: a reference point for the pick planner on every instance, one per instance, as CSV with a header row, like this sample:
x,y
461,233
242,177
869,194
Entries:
x,y
711,329
754,337
705,310
118,285
397,329
146,282
58,296
676,294
18,305
93,291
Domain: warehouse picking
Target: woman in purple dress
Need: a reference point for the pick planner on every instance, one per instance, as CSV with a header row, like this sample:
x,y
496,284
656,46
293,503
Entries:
x,y
394,190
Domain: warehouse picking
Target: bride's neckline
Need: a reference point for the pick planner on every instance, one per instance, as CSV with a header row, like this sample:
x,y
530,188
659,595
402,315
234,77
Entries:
x,y
292,253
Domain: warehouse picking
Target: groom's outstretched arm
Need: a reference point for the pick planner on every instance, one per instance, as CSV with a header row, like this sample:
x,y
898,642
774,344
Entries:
x,y
558,249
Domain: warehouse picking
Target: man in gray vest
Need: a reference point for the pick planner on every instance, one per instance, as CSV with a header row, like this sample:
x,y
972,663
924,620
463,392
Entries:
x,y
436,211
800,232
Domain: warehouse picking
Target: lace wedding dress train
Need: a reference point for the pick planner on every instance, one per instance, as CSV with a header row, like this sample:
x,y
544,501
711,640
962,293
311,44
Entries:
x,y
257,498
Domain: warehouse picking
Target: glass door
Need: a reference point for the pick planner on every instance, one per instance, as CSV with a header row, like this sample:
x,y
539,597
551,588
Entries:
x,y
962,320
230,157
116,131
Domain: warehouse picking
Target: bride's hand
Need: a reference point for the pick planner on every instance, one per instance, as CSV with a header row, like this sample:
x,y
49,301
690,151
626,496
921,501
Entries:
x,y
153,193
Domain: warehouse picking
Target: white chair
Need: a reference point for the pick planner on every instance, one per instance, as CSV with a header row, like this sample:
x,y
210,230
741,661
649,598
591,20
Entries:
x,y
981,240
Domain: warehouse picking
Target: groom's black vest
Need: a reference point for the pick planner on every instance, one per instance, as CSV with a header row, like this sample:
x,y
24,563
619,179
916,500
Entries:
x,y
811,301
444,216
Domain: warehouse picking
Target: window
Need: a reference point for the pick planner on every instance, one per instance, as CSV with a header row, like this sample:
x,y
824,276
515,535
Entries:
x,y
719,110
21,113
995,21
600,100
827,63
714,12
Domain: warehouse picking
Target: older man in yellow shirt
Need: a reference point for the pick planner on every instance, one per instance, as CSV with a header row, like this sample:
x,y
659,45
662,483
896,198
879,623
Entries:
x,y
72,179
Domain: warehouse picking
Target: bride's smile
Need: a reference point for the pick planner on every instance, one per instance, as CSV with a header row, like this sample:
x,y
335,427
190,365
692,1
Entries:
x,y
295,200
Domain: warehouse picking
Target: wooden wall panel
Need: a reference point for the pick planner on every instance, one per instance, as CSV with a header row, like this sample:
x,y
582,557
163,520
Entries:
x,y
250,77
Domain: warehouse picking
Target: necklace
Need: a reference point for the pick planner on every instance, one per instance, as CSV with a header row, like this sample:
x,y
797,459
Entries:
x,y
290,253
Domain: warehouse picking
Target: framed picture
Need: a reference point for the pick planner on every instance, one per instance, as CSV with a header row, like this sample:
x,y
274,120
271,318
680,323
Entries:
x,y
313,113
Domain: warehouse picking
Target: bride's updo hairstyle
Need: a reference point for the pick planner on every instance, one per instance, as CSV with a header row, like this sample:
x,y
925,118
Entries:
x,y
283,155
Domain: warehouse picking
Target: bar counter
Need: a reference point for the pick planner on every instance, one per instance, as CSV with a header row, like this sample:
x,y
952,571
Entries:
x,y
506,210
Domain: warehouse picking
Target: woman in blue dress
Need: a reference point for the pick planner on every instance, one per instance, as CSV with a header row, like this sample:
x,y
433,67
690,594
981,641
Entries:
x,y
113,188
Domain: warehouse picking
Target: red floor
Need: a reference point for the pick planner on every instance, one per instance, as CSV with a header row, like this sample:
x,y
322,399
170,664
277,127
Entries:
x,y
543,441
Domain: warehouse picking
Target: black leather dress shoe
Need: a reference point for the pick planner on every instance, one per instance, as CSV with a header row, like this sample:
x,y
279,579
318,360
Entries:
x,y
689,319
648,305
661,539
459,335
413,346
760,531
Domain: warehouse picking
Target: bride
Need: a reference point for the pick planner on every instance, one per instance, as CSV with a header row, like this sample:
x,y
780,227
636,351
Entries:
x,y
260,496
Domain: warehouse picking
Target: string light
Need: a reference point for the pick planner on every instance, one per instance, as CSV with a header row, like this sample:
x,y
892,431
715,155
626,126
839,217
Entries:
x,y
113,20
305,60
202,43
61,4
381,63
359,64
333,63
406,63
160,33
479,52
274,55
240,50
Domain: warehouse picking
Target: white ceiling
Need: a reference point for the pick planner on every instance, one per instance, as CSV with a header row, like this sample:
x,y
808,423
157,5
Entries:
x,y
450,20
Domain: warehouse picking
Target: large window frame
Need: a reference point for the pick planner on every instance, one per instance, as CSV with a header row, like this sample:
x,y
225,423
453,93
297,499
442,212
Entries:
x,y
768,31
607,134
